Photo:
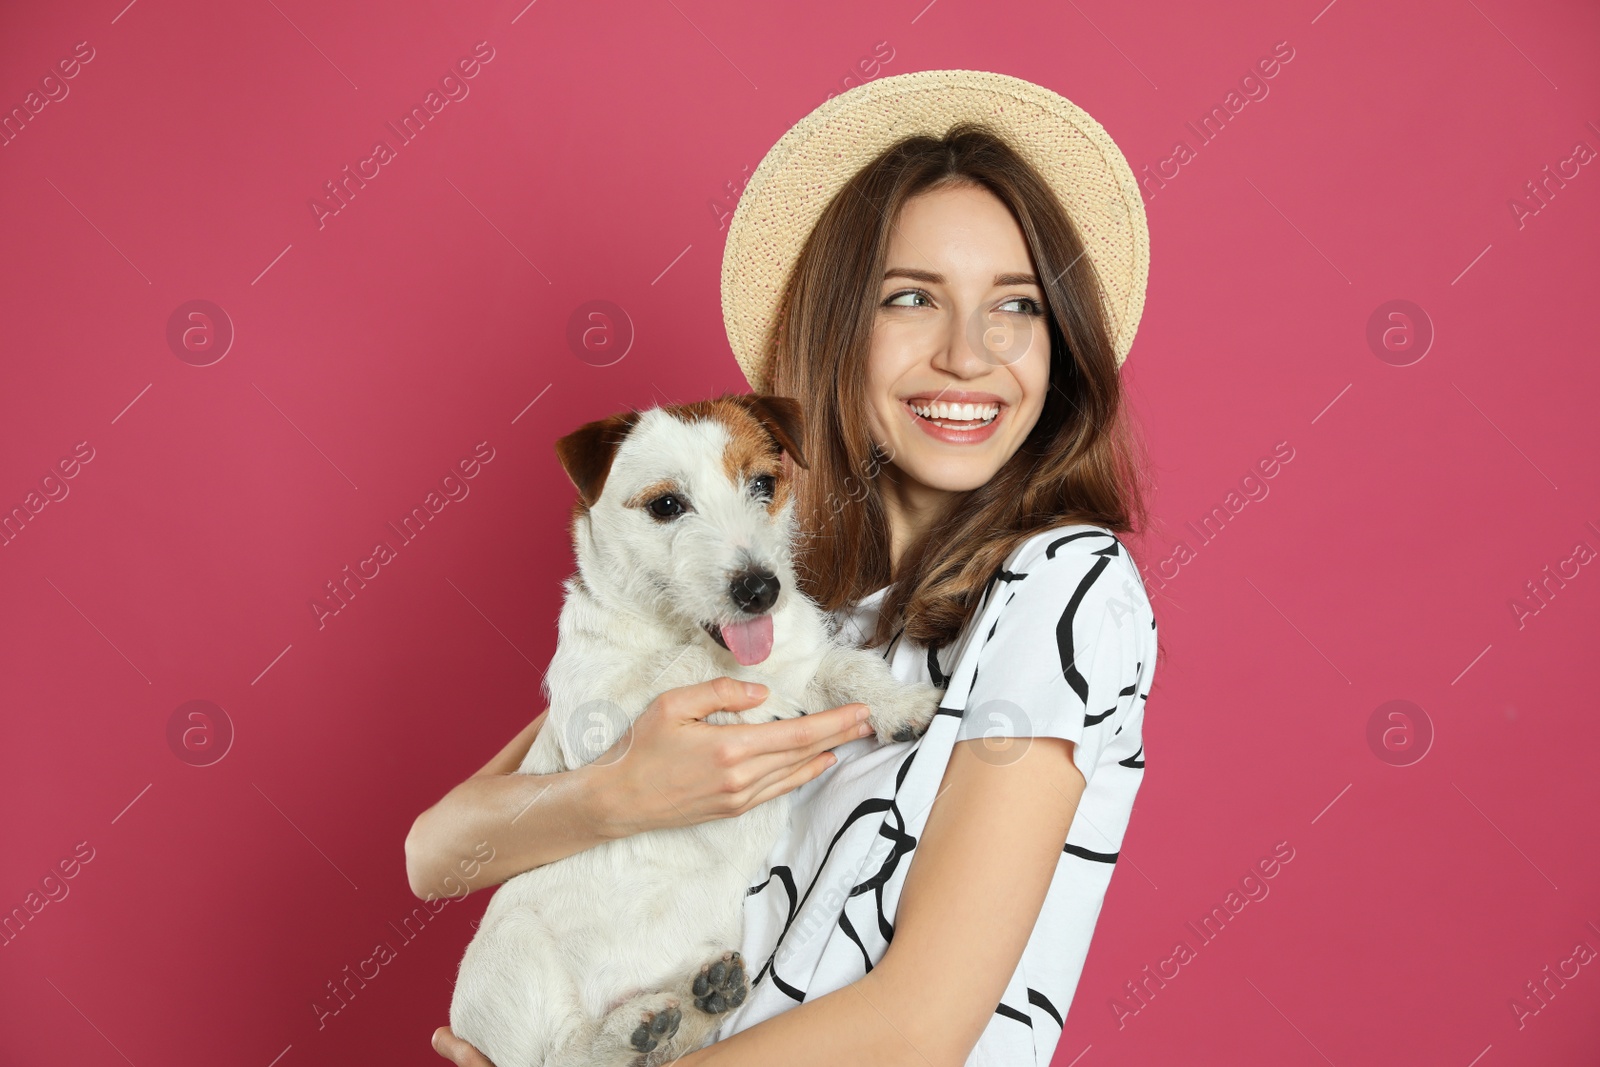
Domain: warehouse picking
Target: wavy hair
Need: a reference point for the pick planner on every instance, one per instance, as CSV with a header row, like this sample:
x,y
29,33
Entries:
x,y
1081,463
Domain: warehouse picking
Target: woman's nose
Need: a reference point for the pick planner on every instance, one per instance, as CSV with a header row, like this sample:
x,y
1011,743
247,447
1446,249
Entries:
x,y
962,350
954,352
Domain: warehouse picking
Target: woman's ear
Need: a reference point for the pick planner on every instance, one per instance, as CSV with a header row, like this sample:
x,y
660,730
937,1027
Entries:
x,y
782,418
586,453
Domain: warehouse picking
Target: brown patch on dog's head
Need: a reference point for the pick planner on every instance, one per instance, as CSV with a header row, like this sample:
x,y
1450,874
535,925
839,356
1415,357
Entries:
x,y
586,453
781,418
761,429
651,492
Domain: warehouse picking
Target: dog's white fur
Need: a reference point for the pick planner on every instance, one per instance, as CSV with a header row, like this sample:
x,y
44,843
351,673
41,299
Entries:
x,y
573,956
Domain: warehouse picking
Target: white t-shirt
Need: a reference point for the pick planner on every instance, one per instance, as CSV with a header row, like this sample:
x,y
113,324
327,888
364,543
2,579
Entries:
x,y
1063,645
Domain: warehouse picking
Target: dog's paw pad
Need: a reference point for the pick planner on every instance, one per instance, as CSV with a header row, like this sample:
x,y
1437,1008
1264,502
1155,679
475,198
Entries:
x,y
909,732
655,1027
720,986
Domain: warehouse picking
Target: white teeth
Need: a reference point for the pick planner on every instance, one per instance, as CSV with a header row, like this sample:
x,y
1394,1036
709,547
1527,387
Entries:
x,y
939,409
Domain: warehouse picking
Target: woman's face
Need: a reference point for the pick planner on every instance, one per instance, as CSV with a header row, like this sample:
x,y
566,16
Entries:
x,y
960,354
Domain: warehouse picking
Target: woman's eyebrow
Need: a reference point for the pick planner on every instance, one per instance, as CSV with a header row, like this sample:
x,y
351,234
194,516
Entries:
x,y
935,278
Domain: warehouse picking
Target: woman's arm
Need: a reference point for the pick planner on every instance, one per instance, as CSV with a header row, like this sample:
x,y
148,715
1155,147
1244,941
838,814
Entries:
x,y
671,769
987,856
448,843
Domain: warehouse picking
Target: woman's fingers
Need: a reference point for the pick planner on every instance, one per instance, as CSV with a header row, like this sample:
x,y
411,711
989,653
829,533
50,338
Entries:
x,y
680,770
803,735
719,694
780,783
802,741
457,1051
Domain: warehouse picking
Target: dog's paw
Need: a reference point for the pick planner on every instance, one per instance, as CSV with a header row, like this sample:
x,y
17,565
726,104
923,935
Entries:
x,y
905,716
655,1026
721,986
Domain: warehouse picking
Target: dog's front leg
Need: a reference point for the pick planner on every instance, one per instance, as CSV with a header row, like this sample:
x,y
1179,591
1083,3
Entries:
x,y
899,711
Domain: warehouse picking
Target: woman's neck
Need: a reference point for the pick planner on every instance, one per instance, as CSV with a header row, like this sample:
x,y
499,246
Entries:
x,y
910,507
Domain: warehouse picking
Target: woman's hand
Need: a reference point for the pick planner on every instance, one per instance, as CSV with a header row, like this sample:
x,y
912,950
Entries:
x,y
457,1051
672,768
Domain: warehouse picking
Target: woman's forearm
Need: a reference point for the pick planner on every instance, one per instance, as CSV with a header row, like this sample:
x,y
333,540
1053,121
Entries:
x,y
498,824
494,826
671,768
853,1024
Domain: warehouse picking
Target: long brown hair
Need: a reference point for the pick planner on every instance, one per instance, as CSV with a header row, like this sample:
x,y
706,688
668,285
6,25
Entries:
x,y
1080,464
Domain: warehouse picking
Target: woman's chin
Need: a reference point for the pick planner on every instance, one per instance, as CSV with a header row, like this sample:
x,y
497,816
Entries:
x,y
947,473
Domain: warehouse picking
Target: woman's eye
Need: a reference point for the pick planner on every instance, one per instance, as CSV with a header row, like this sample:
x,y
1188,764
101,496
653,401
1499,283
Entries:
x,y
1030,306
666,507
763,486
897,300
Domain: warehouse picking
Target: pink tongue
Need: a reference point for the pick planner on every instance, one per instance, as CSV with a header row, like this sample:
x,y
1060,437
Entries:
x,y
750,642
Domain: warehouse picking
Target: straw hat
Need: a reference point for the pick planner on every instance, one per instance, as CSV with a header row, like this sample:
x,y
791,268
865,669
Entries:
x,y
799,177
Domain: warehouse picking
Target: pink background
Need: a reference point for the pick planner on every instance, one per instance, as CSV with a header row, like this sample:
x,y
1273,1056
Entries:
x,y
592,160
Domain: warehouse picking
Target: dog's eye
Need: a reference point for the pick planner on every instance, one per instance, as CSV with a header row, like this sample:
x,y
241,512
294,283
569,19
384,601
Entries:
x,y
763,485
666,507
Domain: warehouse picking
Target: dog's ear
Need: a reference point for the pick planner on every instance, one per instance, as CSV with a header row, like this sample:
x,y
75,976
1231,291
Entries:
x,y
782,418
586,453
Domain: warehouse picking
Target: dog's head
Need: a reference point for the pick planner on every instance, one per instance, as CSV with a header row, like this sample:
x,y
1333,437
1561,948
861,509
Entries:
x,y
687,512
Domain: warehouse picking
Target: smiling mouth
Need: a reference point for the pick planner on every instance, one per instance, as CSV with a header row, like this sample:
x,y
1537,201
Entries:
x,y
953,416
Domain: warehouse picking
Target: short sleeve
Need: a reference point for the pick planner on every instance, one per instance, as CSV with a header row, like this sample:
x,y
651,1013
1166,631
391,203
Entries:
x,y
1064,654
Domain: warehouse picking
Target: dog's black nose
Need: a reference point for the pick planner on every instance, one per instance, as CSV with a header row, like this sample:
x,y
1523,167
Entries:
x,y
754,591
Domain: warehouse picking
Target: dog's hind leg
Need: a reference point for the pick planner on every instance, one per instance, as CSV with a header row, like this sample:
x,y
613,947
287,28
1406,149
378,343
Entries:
x,y
720,985
707,994
636,1033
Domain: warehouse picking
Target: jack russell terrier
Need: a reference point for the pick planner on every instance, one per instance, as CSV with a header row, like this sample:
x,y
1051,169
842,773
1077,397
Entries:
x,y
625,953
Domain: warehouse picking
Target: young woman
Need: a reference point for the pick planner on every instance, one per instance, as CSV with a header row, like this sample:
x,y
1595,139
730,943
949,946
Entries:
x,y
954,338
